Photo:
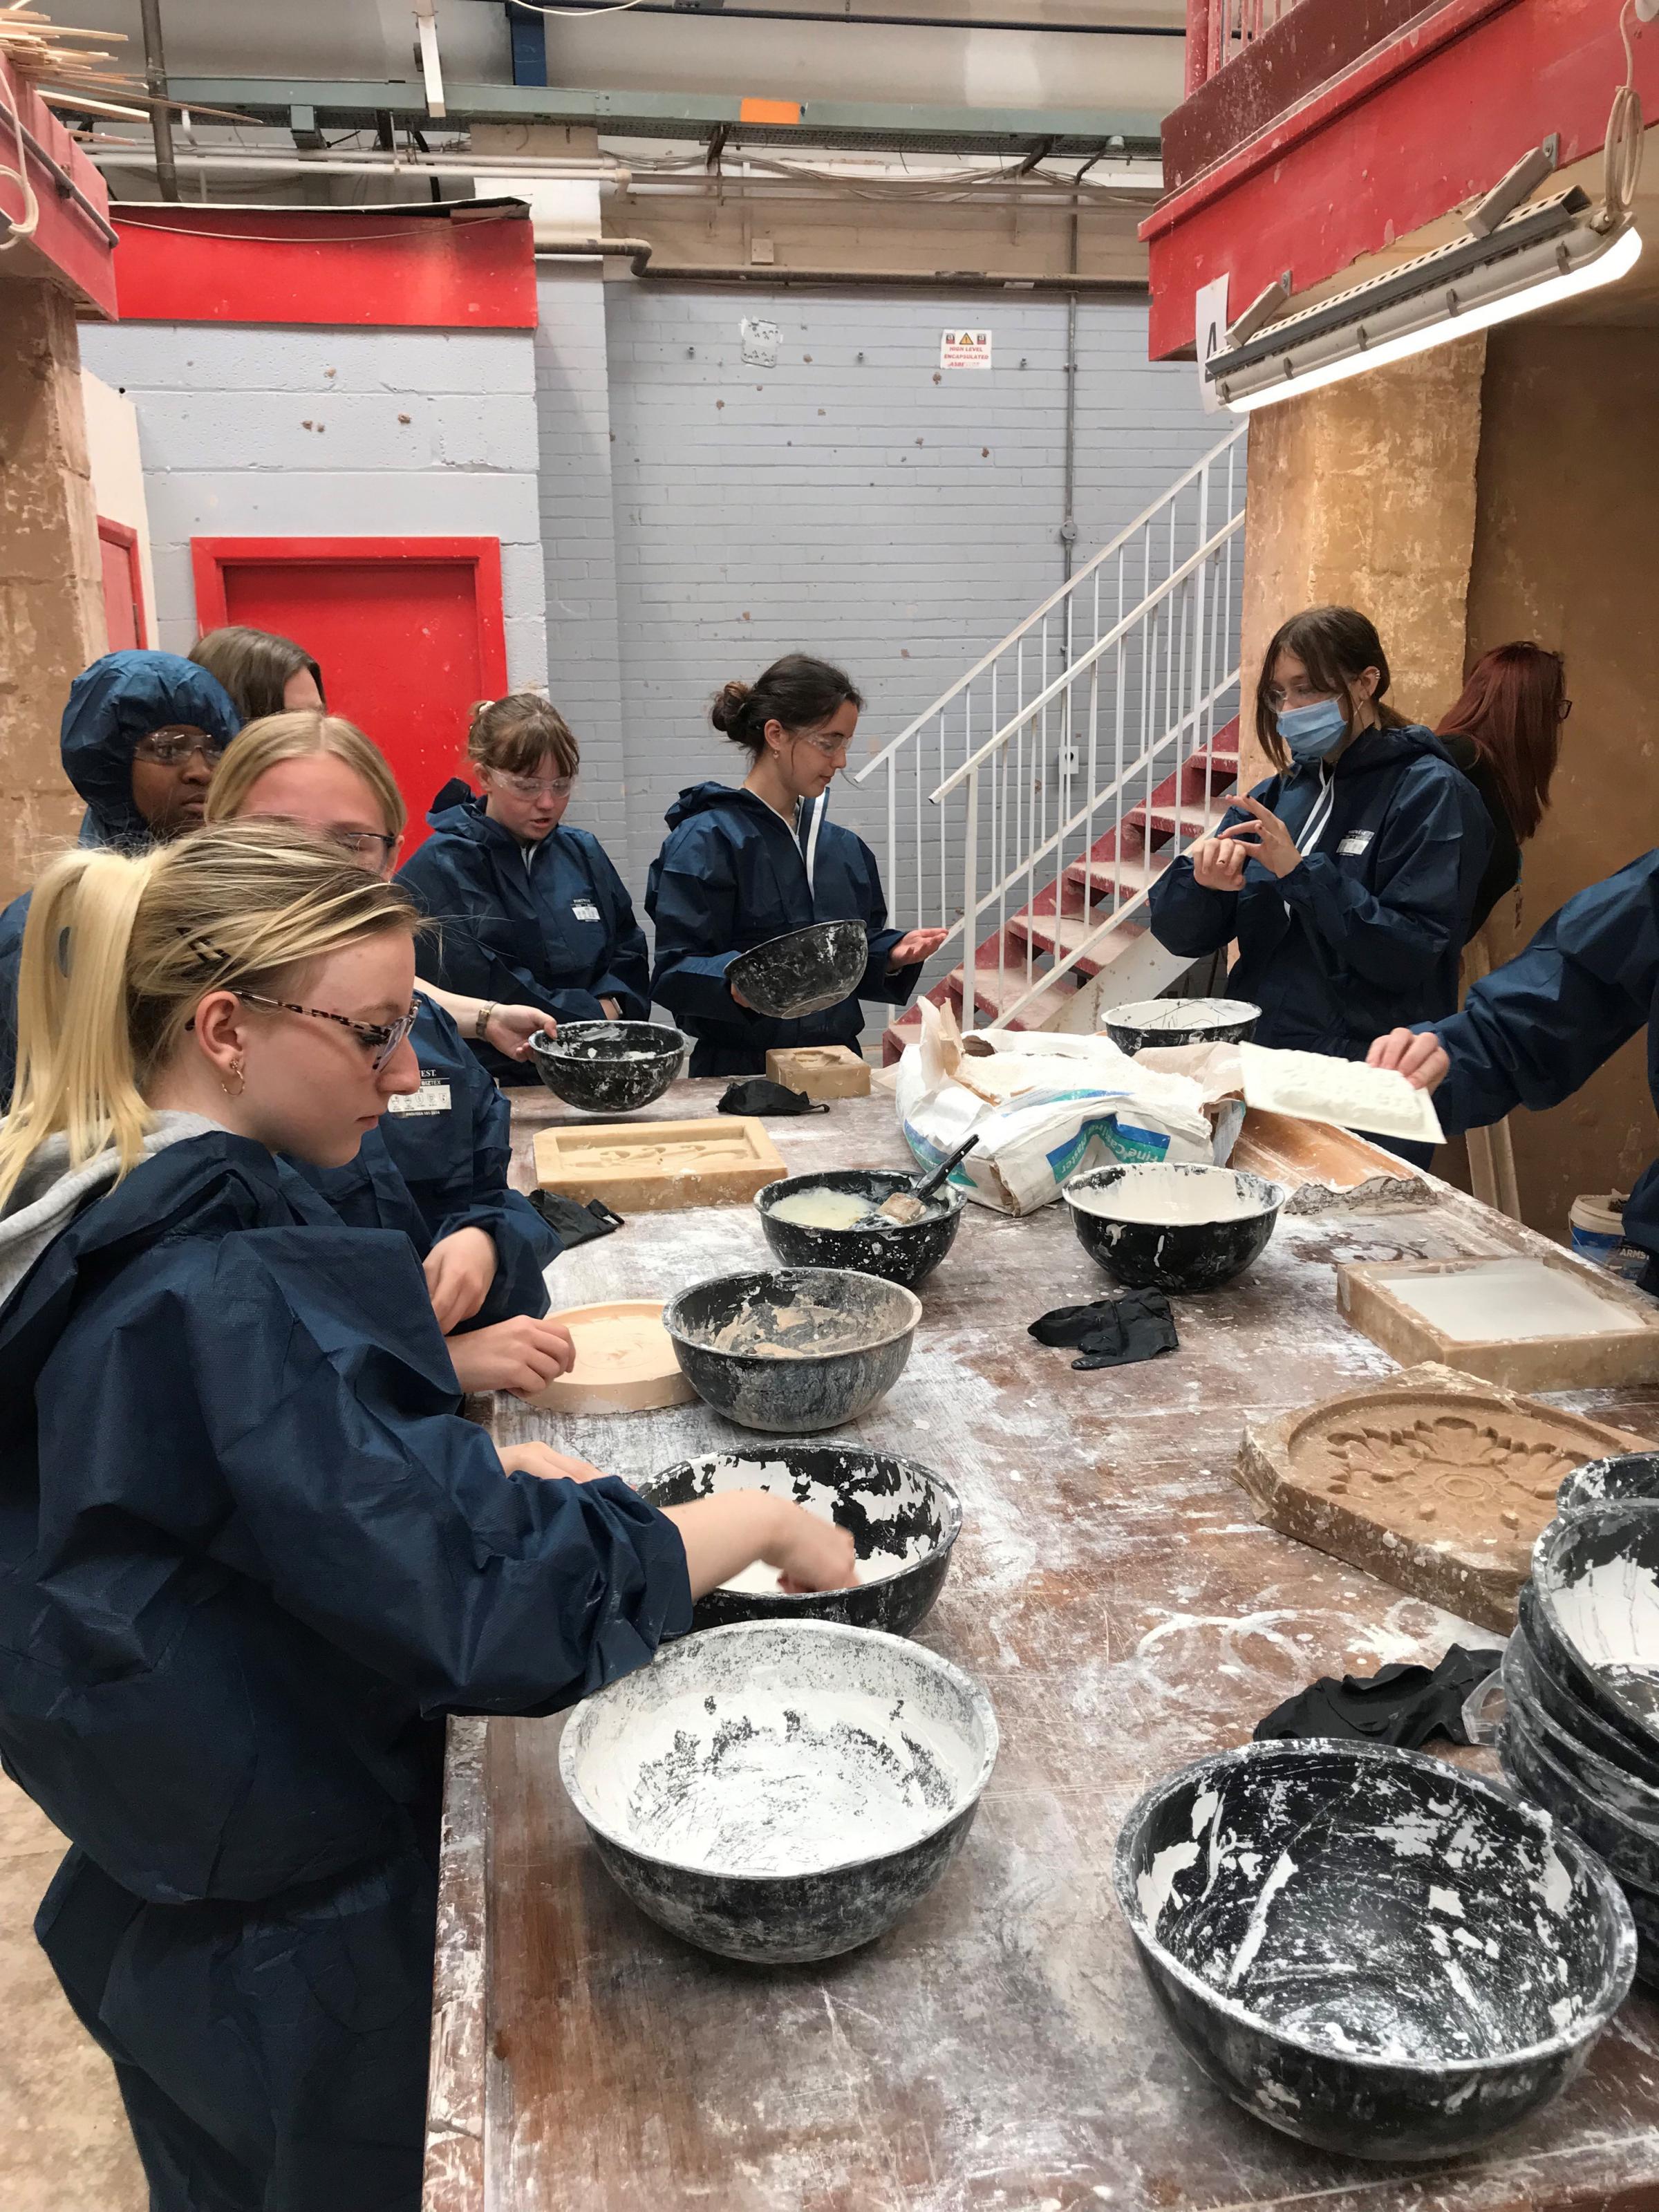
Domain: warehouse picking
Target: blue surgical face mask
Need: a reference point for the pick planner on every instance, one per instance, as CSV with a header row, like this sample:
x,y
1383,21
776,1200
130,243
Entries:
x,y
1312,731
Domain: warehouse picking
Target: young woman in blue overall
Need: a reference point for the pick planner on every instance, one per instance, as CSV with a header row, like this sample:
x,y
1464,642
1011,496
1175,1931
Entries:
x,y
253,1553
1348,877
436,1165
265,675
741,866
526,909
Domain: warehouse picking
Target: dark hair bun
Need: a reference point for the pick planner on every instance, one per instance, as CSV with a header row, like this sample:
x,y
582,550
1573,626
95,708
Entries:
x,y
727,710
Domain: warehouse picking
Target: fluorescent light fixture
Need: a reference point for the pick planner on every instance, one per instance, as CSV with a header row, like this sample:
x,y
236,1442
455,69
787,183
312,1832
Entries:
x,y
1538,258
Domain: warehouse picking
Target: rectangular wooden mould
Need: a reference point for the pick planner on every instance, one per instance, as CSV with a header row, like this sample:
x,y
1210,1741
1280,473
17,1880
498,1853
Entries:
x,y
658,1167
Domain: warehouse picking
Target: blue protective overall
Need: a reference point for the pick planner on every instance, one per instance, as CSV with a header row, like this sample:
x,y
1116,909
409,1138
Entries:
x,y
547,925
733,874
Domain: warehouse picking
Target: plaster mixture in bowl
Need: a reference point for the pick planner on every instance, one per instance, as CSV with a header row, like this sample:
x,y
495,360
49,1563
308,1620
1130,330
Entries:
x,y
802,1331
1166,1198
828,1209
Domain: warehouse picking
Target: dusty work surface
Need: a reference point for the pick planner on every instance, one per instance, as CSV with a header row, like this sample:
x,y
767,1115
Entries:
x,y
999,2052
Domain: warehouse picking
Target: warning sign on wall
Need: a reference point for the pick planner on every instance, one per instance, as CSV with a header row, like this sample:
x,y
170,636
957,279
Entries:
x,y
965,349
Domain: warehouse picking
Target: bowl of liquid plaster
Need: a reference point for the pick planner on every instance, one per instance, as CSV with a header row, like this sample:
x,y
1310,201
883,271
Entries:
x,y
833,1220
781,1791
1182,1021
1593,1612
1370,1950
904,1519
1173,1227
793,1349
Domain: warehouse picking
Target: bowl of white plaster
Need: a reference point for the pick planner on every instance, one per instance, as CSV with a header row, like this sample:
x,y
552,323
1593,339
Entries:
x,y
904,1519
1174,1228
1182,1021
781,1791
1593,1612
791,1351
1369,1949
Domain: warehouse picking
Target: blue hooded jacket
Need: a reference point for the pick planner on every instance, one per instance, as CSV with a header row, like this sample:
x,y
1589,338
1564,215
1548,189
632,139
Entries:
x,y
1535,1030
733,874
437,1162
1368,932
251,1549
119,700
547,925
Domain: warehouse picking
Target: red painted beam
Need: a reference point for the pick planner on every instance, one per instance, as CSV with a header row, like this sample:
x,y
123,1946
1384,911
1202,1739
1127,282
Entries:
x,y
340,266
68,248
1393,142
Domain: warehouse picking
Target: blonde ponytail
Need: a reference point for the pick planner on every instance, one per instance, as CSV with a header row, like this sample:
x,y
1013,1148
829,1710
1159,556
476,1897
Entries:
x,y
119,952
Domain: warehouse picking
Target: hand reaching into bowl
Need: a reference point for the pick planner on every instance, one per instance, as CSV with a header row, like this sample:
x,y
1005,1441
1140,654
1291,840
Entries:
x,y
723,1535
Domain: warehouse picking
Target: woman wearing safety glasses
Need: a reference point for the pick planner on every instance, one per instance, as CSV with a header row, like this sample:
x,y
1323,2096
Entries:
x,y
1348,879
435,1166
742,866
142,735
526,907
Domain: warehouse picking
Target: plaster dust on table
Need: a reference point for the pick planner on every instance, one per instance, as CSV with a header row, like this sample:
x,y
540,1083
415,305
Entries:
x,y
1503,1301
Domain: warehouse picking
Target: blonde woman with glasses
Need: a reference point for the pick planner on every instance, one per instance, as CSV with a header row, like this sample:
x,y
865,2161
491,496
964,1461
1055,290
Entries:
x,y
253,1553
525,907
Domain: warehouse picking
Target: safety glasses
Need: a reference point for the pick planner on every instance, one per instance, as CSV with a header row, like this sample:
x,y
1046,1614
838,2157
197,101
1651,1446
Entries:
x,y
381,1038
529,786
172,747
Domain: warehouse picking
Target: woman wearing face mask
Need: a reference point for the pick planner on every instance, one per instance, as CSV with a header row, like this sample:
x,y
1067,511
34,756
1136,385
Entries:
x,y
142,735
1348,879
435,1165
526,909
253,1553
741,866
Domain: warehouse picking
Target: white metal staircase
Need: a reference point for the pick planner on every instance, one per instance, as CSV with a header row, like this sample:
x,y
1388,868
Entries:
x,y
1066,769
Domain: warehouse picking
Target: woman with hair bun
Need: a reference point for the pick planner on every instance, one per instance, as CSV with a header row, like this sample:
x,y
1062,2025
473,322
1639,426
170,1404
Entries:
x,y
527,908
1348,879
741,866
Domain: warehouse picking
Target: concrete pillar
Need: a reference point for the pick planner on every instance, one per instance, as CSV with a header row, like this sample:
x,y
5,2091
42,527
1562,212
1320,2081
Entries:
x,y
1364,495
51,607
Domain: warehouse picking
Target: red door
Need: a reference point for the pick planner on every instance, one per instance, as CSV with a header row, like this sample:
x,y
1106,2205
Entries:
x,y
407,631
123,596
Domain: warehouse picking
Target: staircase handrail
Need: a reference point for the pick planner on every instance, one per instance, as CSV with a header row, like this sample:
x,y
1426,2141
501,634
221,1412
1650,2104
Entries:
x,y
1084,661
1140,522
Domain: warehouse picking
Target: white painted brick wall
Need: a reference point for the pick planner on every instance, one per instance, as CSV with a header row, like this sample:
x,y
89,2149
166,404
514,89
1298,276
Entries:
x,y
299,433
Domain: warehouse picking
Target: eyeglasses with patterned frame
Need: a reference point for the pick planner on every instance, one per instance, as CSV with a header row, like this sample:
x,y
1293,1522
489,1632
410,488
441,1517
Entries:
x,y
382,1038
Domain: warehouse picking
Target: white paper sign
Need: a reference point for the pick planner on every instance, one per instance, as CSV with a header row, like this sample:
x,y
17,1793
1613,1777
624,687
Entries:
x,y
965,349
1210,334
760,343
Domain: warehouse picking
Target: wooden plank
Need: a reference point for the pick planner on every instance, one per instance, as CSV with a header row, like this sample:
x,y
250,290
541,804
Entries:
x,y
1000,2048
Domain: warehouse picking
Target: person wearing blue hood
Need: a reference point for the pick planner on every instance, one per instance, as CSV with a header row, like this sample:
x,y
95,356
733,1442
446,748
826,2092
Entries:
x,y
527,908
435,1168
1536,1030
253,1553
142,735
1349,877
739,867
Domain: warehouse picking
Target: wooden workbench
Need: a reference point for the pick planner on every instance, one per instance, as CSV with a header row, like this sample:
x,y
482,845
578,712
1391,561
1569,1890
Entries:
x,y
999,2048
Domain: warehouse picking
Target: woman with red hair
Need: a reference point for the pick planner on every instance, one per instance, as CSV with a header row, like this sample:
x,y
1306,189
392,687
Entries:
x,y
1504,732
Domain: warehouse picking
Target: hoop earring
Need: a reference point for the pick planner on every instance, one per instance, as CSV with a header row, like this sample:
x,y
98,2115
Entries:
x,y
239,1069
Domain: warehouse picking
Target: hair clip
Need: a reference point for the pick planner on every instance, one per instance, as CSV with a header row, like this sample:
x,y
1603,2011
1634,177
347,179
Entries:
x,y
208,954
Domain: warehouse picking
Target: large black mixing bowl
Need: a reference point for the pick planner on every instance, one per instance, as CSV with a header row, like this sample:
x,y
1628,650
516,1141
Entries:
x,y
1560,1702
1182,1021
1593,1616
1610,1481
789,977
1367,1948
1173,1254
902,1514
901,1251
780,1791
824,1385
608,1067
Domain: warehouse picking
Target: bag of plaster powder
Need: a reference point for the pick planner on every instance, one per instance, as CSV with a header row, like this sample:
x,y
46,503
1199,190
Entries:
x,y
1044,1107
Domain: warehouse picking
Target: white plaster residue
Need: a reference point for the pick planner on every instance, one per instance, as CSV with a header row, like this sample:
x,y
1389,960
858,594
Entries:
x,y
1611,1614
1446,1901
1413,1835
1283,1869
1556,1887
1170,1197
762,1581
1206,1805
1157,1886
1509,1301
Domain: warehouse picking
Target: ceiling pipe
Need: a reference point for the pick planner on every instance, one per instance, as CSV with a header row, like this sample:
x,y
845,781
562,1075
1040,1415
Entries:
x,y
156,83
724,13
593,169
639,250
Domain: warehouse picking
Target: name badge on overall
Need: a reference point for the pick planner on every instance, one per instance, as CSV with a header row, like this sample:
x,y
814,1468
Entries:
x,y
431,1098
585,910
1355,842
